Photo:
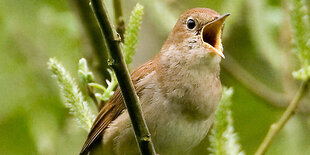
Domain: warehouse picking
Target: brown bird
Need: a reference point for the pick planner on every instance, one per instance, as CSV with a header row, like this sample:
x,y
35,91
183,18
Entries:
x,y
179,90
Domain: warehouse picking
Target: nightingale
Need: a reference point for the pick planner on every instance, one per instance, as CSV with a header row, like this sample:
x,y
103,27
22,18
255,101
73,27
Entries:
x,y
179,90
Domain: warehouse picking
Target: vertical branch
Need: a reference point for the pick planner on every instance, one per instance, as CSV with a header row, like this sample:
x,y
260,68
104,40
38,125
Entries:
x,y
92,30
118,64
119,19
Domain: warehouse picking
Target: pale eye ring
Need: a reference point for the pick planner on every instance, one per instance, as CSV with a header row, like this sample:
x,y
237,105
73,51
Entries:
x,y
191,24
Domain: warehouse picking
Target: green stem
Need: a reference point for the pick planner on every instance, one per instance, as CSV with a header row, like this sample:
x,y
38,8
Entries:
x,y
275,128
91,94
98,86
119,19
92,30
119,66
273,98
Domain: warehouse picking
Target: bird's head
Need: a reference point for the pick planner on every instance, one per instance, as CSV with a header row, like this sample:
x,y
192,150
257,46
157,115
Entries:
x,y
199,28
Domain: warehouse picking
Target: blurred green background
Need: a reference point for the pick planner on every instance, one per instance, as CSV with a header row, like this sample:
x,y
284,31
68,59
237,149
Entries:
x,y
258,65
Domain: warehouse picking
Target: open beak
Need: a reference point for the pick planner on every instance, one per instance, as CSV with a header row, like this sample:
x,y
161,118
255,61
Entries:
x,y
211,35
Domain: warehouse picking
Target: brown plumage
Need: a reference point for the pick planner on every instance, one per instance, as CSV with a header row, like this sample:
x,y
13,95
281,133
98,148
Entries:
x,y
114,107
179,90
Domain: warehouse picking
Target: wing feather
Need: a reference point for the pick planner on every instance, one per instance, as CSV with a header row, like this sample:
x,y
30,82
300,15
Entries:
x,y
113,108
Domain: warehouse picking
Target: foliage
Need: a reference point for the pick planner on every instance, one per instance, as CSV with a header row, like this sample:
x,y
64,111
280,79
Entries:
x,y
301,29
132,32
107,91
73,98
88,79
33,119
299,17
224,140
85,75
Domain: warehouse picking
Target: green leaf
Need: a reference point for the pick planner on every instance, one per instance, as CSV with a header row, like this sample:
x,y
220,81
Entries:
x,y
85,75
301,36
71,94
132,33
107,91
224,141
302,74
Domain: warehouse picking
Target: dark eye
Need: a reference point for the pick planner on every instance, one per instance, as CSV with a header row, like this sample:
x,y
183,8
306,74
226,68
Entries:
x,y
191,24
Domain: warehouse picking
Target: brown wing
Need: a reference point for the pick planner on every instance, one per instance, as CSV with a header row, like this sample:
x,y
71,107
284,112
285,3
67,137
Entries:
x,y
113,108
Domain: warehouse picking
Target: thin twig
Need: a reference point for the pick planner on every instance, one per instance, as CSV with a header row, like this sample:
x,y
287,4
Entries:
x,y
257,87
91,94
119,18
276,127
92,30
119,66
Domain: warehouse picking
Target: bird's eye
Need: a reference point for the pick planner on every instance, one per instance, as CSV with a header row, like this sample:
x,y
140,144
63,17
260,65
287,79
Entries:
x,y
190,24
